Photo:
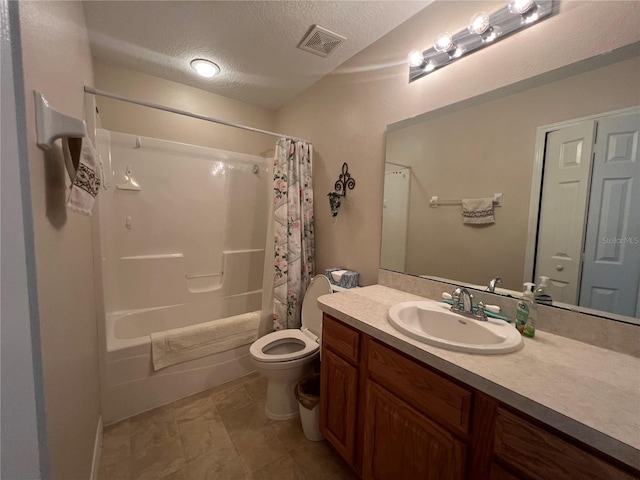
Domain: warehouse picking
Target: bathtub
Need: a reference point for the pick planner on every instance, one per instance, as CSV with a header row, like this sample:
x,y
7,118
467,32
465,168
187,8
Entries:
x,y
131,385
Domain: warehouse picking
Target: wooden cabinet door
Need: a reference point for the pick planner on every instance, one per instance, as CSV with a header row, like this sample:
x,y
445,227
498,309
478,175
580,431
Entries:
x,y
498,473
401,443
338,401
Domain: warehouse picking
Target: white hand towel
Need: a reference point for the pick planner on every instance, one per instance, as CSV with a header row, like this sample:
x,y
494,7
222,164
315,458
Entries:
x,y
477,211
86,183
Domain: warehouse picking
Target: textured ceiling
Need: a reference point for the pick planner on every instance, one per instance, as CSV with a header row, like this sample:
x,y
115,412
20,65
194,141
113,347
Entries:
x,y
253,42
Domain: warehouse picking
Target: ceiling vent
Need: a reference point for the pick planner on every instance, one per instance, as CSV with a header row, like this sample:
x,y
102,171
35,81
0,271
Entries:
x,y
321,41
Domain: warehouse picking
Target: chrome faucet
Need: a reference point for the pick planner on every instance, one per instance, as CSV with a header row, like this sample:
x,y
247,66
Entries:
x,y
492,284
463,294
463,305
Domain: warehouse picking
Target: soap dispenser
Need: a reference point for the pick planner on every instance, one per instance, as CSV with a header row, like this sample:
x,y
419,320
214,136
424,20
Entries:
x,y
526,314
541,295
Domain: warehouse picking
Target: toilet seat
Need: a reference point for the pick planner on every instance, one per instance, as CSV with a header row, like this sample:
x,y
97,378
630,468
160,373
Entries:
x,y
306,336
282,336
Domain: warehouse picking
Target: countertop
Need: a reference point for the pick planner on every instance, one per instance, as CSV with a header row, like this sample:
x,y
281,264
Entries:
x,y
588,392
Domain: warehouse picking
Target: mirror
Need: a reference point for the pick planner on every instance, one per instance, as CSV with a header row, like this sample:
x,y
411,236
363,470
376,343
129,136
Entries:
x,y
502,143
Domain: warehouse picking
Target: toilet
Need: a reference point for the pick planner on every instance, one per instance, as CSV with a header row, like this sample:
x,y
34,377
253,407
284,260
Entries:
x,y
285,356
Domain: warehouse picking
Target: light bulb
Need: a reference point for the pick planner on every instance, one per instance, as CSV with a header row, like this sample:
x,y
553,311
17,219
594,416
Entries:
x,y
205,68
491,34
479,23
531,16
429,66
443,42
415,58
520,6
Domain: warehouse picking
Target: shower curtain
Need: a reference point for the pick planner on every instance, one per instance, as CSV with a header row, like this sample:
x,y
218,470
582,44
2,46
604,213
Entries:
x,y
293,230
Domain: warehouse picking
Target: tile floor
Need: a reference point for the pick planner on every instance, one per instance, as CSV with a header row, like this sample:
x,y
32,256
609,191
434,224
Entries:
x,y
220,434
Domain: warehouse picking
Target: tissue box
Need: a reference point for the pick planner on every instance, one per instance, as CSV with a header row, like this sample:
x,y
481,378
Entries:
x,y
342,278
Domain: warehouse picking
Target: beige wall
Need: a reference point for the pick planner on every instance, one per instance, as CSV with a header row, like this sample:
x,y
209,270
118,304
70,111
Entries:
x,y
57,62
124,117
345,115
488,148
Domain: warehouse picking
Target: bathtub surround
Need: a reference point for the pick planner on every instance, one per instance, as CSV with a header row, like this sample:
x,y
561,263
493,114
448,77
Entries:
x,y
294,236
186,249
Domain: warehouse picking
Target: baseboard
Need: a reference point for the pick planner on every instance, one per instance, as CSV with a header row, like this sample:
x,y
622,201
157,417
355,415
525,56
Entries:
x,y
97,448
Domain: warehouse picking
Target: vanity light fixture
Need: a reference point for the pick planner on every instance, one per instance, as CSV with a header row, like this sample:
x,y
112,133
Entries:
x,y
482,30
205,68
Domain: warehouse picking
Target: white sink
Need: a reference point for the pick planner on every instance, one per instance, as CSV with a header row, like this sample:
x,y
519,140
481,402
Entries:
x,y
434,323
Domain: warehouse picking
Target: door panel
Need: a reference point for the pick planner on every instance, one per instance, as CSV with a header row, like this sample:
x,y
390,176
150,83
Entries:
x,y
567,173
611,271
395,218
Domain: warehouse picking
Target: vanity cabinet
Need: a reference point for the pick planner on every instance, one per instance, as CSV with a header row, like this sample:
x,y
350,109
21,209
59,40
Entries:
x,y
392,417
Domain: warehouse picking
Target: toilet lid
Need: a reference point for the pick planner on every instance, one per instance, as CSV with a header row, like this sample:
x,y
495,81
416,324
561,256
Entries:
x,y
311,314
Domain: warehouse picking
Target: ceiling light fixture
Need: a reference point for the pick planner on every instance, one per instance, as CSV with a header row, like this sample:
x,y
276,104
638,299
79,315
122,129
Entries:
x,y
205,68
483,29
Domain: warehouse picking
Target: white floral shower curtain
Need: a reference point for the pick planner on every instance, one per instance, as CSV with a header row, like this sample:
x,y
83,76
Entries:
x,y
293,230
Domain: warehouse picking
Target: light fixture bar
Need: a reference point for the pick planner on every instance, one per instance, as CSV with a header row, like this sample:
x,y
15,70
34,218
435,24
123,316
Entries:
x,y
502,23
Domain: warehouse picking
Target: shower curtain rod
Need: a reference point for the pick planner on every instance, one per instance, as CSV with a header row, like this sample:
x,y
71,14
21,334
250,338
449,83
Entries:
x,y
102,93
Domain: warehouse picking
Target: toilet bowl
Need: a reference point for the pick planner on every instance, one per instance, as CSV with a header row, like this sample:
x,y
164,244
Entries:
x,y
285,356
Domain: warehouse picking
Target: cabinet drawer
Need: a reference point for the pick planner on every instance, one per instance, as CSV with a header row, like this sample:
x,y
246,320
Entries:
x,y
343,340
538,453
434,395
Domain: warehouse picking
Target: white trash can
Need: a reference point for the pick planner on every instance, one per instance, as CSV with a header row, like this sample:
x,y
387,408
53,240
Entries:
x,y
308,395
311,423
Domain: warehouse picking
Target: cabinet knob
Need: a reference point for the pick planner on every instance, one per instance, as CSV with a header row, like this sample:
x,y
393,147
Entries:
x,y
559,268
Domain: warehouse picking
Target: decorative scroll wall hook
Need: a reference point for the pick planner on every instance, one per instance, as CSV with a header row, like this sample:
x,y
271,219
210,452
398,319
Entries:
x,y
344,181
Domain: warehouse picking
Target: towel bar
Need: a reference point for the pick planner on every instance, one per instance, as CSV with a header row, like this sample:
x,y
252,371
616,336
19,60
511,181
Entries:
x,y
435,202
51,124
